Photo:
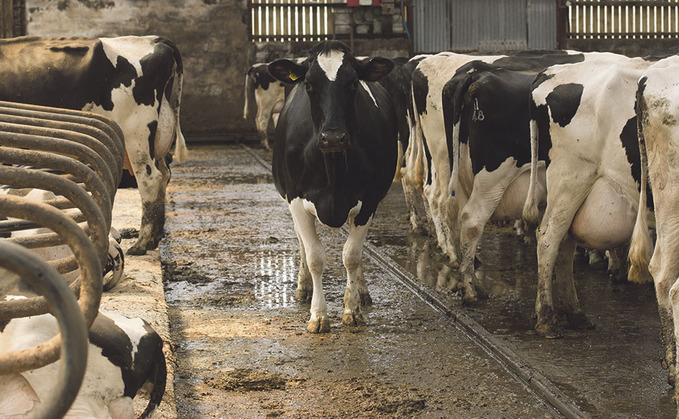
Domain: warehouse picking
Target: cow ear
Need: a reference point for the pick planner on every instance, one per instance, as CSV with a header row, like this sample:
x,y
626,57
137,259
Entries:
x,y
375,69
287,71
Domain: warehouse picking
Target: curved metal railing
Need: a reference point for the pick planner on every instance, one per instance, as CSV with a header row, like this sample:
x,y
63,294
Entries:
x,y
78,156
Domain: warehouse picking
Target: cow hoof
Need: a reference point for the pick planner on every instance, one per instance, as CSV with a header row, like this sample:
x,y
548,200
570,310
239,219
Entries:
x,y
303,295
470,297
353,319
548,331
136,250
319,325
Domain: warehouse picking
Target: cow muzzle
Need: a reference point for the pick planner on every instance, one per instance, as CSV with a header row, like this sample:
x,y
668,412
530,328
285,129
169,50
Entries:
x,y
333,141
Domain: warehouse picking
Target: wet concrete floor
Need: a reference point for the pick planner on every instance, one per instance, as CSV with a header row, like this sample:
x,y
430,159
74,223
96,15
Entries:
x,y
230,261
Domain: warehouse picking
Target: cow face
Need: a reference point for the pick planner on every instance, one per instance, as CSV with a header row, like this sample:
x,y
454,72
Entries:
x,y
330,79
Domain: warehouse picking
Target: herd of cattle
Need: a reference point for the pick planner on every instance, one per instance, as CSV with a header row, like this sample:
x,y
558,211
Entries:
x,y
580,146
583,147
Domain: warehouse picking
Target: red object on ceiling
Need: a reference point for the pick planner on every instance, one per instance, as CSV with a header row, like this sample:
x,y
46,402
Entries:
x,y
355,3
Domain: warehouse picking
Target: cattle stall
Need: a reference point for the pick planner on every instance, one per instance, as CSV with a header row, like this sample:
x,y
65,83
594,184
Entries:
x,y
69,154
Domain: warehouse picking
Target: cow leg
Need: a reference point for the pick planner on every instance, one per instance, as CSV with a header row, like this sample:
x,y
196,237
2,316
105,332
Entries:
x,y
567,303
315,263
485,197
262,122
152,176
357,290
564,198
550,234
665,271
617,266
304,285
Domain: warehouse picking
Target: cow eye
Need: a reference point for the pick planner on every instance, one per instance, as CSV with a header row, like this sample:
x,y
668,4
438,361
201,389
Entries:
x,y
353,85
308,87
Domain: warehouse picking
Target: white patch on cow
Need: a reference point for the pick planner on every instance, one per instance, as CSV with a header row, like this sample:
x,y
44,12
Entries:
x,y
14,297
367,89
331,63
133,48
133,120
310,208
134,328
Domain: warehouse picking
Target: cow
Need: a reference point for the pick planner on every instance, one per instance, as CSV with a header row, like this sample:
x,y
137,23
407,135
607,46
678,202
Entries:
x,y
334,158
269,95
485,110
124,355
136,81
657,110
585,114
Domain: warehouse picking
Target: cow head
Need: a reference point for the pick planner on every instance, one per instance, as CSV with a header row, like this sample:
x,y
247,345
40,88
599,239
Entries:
x,y
331,77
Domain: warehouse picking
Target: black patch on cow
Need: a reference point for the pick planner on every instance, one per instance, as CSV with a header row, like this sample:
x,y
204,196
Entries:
x,y
564,101
148,170
260,77
153,128
420,91
75,50
630,144
640,107
397,84
116,346
540,115
156,71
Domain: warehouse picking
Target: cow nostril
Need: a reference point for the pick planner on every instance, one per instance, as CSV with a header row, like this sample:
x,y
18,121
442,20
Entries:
x,y
333,141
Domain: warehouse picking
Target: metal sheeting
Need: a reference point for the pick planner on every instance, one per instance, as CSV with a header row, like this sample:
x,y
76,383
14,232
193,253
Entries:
x,y
484,25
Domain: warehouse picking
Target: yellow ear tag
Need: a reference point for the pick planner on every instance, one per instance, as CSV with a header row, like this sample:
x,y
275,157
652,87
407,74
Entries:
x,y
293,76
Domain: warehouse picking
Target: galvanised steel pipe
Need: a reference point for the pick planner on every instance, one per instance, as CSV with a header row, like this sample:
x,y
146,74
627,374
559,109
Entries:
x,y
72,342
87,121
92,138
91,283
26,178
63,147
79,171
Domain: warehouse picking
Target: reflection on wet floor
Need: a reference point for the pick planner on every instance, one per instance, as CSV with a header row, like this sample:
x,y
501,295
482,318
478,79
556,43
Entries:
x,y
277,284
613,370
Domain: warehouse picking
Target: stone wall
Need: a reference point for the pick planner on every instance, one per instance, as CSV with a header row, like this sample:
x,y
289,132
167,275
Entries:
x,y
212,36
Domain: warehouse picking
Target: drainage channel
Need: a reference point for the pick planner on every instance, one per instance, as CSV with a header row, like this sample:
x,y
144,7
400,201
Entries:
x,y
517,367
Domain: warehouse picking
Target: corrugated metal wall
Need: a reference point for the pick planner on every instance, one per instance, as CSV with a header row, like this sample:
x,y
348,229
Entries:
x,y
484,25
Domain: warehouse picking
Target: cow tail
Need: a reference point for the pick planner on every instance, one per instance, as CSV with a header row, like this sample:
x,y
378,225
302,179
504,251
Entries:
x,y
248,92
640,248
180,150
531,212
455,93
158,378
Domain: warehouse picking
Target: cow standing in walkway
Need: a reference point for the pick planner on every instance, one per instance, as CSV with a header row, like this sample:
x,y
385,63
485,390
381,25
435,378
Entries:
x,y
657,108
334,158
269,95
585,113
136,81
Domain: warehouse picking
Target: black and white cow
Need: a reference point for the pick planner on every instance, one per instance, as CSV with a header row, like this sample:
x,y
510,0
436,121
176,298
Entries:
x,y
334,158
485,109
428,158
269,95
124,355
658,116
585,113
136,81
